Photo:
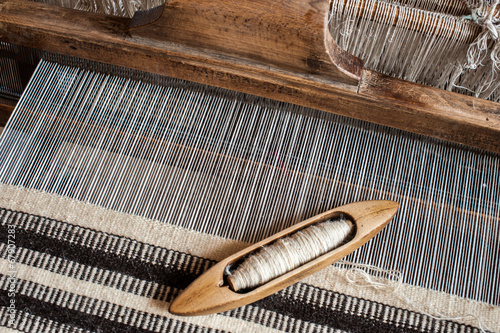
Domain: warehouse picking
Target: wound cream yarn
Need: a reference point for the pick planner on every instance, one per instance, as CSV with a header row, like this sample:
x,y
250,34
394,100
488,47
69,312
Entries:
x,y
288,253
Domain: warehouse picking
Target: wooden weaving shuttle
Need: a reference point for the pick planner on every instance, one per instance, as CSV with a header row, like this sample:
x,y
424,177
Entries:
x,y
210,293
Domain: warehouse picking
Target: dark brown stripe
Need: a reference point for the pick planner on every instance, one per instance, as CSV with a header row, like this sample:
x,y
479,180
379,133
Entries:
x,y
167,274
75,318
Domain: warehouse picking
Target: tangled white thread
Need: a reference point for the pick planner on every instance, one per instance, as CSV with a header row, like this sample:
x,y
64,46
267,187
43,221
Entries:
x,y
486,47
367,276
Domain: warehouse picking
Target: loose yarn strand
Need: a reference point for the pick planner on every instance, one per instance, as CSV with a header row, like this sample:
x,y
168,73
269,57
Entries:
x,y
365,276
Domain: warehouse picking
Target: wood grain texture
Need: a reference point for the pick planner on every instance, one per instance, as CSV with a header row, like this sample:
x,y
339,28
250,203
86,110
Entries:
x,y
435,112
291,35
210,293
6,108
377,98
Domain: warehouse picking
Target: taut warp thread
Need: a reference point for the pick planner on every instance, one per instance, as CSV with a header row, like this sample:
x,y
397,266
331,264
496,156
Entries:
x,y
290,252
200,158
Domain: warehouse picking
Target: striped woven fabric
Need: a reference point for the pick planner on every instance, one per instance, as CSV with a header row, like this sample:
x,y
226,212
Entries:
x,y
68,266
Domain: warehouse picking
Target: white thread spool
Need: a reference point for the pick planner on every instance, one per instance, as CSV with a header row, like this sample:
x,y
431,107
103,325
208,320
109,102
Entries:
x,y
288,253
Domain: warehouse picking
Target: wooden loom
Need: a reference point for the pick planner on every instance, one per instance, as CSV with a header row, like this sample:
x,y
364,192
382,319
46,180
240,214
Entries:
x,y
280,50
277,49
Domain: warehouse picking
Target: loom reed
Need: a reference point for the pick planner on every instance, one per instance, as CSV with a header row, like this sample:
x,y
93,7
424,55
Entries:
x,y
416,41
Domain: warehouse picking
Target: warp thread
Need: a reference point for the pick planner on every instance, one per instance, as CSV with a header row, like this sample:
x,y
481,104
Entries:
x,y
280,162
391,282
125,8
447,52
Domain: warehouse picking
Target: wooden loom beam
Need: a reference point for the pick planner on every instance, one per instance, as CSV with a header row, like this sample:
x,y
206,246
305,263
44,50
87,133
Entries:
x,y
6,108
207,43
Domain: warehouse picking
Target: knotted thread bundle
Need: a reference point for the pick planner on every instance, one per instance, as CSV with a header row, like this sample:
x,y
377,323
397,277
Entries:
x,y
483,55
288,253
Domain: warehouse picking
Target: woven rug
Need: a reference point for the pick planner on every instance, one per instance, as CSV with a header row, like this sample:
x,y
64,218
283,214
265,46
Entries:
x,y
68,266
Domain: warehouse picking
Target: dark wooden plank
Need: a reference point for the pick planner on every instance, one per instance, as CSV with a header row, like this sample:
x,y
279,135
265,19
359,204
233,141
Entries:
x,y
289,34
434,112
6,108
